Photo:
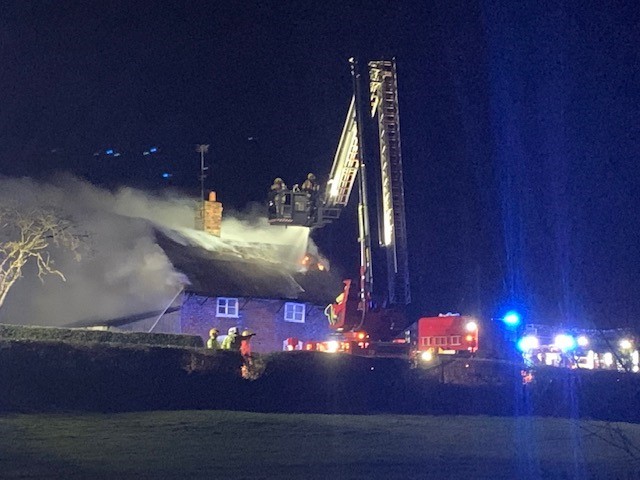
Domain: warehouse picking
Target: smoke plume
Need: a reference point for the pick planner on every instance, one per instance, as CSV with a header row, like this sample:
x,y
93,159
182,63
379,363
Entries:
x,y
123,270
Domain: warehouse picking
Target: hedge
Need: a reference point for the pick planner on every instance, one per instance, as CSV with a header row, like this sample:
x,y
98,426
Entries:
x,y
54,376
38,375
18,332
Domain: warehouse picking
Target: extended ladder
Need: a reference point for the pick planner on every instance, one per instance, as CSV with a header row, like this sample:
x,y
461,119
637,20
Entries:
x,y
345,164
392,226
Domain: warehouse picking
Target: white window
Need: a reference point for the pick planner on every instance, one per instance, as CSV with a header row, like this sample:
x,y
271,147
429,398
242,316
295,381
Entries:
x,y
455,339
294,312
227,307
426,341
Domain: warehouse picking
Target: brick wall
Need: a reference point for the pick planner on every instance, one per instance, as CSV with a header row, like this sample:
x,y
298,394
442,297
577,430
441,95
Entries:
x,y
265,317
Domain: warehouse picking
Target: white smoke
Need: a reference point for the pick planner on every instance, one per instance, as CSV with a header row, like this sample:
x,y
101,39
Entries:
x,y
253,239
124,271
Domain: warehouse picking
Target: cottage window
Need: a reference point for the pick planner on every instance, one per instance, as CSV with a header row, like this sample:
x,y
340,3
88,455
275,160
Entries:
x,y
227,307
294,312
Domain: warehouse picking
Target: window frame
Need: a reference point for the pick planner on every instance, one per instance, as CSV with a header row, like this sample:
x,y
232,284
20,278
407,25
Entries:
x,y
226,301
291,307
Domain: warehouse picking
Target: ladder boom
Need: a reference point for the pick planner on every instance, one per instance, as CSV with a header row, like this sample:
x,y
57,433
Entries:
x,y
345,163
392,225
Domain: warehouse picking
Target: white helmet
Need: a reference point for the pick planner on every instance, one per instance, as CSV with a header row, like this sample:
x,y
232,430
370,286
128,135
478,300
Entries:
x,y
233,331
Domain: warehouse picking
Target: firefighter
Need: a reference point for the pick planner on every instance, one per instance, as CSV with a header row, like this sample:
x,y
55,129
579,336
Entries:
x,y
232,340
212,343
310,185
245,343
333,310
245,350
278,185
276,197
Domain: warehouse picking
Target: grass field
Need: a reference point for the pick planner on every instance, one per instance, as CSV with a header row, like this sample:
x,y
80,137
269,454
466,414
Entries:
x,y
237,445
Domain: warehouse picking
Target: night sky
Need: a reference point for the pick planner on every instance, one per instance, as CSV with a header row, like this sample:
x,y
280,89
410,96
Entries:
x,y
520,127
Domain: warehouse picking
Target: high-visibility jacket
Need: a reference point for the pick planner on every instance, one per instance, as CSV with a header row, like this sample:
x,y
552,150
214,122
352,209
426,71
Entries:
x,y
231,342
245,347
213,344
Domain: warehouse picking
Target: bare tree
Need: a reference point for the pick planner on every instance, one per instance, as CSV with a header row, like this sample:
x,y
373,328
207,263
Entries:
x,y
29,236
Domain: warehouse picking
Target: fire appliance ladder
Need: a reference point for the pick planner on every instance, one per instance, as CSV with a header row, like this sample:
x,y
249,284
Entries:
x,y
344,170
393,234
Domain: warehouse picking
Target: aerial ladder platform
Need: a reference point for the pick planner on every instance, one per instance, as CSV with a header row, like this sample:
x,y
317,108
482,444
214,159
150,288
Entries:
x,y
315,210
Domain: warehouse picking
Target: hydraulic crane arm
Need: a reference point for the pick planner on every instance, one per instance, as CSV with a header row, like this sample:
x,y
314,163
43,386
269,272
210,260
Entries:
x,y
345,163
315,210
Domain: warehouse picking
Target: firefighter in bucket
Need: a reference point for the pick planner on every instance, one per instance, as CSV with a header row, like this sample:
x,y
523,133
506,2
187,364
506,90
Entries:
x,y
277,198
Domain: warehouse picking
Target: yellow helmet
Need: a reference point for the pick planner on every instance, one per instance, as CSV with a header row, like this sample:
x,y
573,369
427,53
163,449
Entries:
x,y
247,333
311,176
278,180
213,332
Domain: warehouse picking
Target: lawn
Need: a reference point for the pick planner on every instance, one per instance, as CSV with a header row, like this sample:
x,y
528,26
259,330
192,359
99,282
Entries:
x,y
236,445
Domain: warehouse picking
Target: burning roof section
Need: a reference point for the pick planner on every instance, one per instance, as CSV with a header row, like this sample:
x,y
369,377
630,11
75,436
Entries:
x,y
245,270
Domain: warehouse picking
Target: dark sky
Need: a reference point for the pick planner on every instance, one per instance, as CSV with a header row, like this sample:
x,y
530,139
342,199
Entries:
x,y
520,126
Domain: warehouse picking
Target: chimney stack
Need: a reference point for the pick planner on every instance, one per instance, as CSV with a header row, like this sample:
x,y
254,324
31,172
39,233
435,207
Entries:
x,y
209,216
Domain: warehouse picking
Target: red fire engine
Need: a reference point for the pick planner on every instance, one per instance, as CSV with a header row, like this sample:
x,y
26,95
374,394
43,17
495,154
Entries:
x,y
446,334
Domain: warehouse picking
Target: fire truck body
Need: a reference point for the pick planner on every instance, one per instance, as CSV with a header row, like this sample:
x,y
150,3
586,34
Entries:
x,y
345,342
447,334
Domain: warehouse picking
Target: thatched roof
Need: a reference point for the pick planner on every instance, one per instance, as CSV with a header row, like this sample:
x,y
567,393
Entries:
x,y
222,274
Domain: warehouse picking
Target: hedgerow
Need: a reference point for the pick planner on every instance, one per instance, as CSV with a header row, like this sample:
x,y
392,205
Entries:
x,y
18,332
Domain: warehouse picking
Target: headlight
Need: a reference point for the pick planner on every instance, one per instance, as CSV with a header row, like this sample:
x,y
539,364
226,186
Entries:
x,y
332,346
625,344
426,356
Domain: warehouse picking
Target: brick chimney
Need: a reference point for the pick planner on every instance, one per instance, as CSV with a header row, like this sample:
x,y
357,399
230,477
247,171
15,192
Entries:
x,y
212,212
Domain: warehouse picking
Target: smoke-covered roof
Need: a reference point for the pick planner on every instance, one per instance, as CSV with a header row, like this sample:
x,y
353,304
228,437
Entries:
x,y
228,274
124,320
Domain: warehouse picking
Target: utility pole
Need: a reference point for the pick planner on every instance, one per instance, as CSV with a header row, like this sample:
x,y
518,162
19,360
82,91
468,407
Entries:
x,y
202,149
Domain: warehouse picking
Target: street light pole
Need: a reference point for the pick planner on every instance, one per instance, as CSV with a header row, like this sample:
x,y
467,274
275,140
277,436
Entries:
x,y
202,149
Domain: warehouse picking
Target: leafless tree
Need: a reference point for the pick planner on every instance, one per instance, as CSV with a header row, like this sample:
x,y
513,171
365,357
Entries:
x,y
29,236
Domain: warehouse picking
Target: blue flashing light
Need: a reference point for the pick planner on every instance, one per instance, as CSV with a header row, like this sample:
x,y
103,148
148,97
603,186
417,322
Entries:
x,y
511,319
564,342
109,152
528,343
166,175
153,150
